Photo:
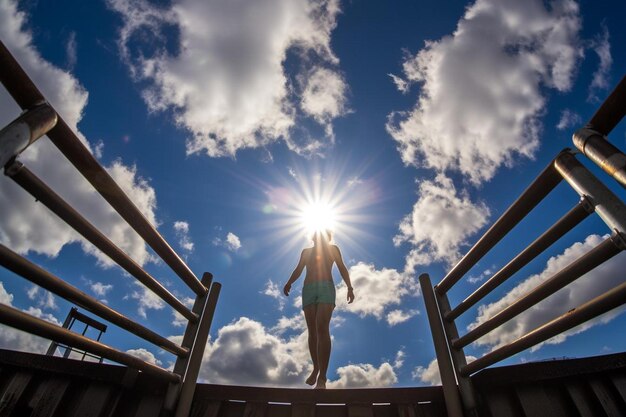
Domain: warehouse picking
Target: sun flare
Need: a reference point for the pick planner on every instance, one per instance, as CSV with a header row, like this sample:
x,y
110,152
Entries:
x,y
317,217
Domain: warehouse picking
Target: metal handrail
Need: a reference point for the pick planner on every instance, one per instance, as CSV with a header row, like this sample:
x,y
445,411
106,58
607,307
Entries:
x,y
38,119
595,197
27,95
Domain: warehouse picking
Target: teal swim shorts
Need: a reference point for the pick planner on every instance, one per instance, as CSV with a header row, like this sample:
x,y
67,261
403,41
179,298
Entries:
x,y
318,292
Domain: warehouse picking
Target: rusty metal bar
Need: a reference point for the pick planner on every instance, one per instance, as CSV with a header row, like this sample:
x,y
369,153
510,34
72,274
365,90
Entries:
x,y
38,189
23,131
197,351
591,309
23,267
611,111
25,322
444,361
597,148
26,94
543,184
596,256
608,206
577,214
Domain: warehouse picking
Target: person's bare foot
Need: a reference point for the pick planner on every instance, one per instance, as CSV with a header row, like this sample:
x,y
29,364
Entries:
x,y
312,378
321,383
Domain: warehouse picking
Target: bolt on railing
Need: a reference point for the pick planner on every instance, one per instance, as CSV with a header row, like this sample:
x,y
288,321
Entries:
x,y
596,197
38,119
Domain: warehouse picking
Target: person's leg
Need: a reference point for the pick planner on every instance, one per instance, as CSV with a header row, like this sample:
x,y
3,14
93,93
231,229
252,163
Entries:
x,y
324,313
310,313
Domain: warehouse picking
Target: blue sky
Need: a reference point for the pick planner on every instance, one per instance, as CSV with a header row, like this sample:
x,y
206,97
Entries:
x,y
418,122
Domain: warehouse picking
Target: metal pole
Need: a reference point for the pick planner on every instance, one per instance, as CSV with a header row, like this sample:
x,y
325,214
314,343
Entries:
x,y
458,356
597,148
591,309
197,352
38,189
608,206
577,214
444,362
598,255
543,184
66,324
611,111
26,94
25,322
23,131
23,267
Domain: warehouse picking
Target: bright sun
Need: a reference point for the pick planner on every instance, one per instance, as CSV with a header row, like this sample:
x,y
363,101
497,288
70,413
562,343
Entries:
x,y
317,217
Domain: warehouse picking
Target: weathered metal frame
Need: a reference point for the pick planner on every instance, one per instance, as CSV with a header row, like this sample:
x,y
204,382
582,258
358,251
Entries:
x,y
595,197
38,119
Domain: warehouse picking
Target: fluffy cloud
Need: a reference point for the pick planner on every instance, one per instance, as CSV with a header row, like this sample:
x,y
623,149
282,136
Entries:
x,y
375,291
272,290
225,78
181,229
430,374
45,299
13,339
441,221
230,242
147,300
145,355
602,48
590,285
364,375
246,353
569,119
399,316
27,226
481,97
100,289
179,319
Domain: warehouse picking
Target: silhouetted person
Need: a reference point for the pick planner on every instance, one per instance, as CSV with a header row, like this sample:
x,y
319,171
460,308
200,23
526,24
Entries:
x,y
318,299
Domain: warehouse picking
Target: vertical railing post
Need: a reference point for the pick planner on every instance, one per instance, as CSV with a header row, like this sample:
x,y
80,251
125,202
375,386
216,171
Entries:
x,y
458,355
446,369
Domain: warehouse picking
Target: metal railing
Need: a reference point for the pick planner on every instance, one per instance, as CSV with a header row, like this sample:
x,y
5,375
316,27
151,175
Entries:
x,y
39,119
594,197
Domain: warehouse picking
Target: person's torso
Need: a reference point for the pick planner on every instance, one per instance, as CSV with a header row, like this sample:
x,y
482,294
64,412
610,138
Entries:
x,y
319,262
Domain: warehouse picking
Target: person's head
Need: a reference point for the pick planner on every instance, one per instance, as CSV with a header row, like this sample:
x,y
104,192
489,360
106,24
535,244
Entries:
x,y
322,237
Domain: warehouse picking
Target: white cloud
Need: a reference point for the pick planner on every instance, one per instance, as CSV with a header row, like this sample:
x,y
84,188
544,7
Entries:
x,y
13,339
474,279
28,226
590,285
44,298
182,233
272,290
147,300
441,221
230,242
226,81
293,323
569,119
145,355
179,319
364,375
600,80
481,99
430,374
399,361
401,84
100,289
375,290
70,51
399,316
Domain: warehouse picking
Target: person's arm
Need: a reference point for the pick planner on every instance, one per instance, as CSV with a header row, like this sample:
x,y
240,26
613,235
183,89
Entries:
x,y
345,275
294,275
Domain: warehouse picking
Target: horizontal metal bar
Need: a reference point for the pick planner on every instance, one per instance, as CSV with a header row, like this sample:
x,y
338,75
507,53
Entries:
x,y
23,131
591,309
26,94
25,322
541,187
596,256
23,267
38,189
442,352
577,214
608,206
596,147
611,111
